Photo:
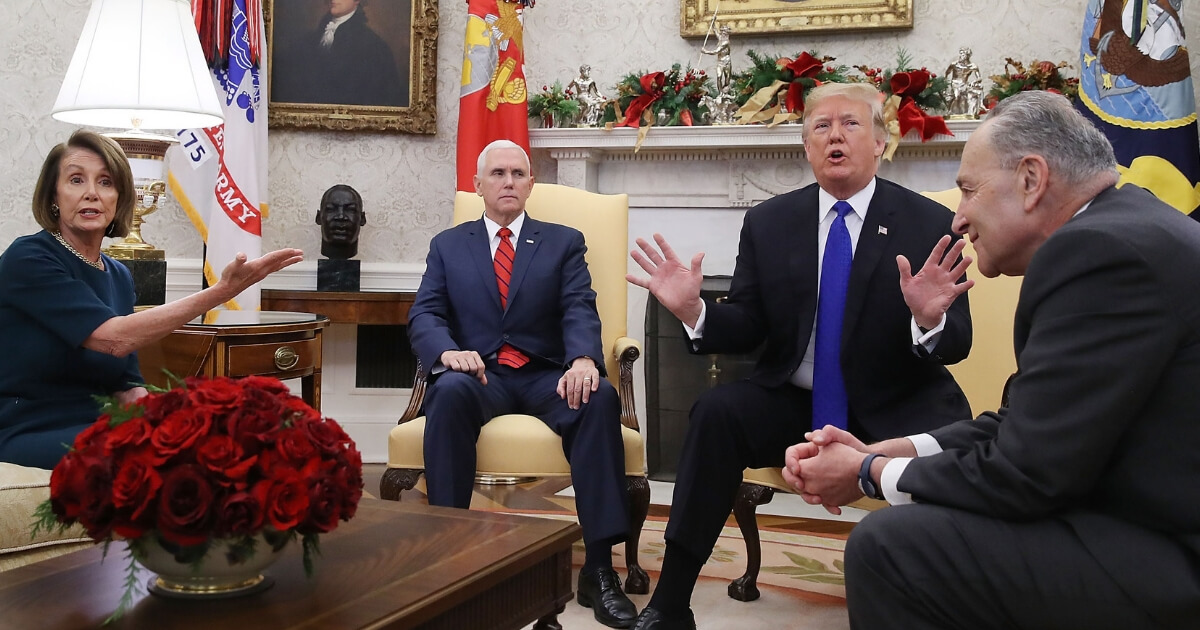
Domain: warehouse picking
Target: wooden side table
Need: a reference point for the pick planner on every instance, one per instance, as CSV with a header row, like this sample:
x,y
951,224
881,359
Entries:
x,y
345,307
242,343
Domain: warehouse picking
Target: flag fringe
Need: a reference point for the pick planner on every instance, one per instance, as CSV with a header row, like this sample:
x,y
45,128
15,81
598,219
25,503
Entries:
x,y
214,23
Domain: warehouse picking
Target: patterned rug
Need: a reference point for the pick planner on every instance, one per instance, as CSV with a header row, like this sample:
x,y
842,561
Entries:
x,y
801,580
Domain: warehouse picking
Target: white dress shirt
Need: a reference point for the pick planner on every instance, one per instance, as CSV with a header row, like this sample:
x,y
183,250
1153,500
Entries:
x,y
493,230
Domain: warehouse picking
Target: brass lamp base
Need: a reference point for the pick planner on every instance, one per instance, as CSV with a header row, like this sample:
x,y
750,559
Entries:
x,y
146,152
126,250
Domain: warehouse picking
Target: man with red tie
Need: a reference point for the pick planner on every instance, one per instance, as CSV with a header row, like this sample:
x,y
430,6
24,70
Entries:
x,y
505,322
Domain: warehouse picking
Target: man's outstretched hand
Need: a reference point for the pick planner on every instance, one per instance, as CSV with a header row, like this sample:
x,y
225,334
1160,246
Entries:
x,y
934,287
676,286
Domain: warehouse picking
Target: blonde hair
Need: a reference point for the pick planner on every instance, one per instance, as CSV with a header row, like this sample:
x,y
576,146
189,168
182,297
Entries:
x,y
44,211
862,92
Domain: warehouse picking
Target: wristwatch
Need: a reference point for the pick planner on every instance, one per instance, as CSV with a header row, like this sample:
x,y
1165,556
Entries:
x,y
868,487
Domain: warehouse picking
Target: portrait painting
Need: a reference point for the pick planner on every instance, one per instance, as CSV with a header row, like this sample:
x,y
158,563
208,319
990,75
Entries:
x,y
754,17
352,64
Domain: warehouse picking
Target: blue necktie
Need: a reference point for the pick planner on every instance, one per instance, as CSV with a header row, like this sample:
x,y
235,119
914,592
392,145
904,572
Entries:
x,y
829,390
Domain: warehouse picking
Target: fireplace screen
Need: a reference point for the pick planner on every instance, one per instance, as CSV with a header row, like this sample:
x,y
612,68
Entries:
x,y
675,377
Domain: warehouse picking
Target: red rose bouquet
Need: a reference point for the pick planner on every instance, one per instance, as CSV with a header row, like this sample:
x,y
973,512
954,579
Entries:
x,y
221,459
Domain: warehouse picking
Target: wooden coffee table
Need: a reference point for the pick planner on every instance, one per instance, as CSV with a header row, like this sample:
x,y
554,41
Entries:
x,y
395,565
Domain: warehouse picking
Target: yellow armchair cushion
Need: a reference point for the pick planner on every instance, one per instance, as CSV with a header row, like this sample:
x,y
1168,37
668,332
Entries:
x,y
769,477
509,445
21,490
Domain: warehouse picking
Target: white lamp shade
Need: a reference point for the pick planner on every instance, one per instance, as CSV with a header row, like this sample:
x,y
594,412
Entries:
x,y
139,64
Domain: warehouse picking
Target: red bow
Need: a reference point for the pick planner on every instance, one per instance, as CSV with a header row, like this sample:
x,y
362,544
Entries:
x,y
908,85
804,66
652,90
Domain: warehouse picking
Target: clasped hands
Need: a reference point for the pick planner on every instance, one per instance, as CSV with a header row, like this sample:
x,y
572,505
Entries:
x,y
824,470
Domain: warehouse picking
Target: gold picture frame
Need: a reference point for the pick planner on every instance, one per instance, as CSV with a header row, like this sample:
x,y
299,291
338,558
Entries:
x,y
391,85
753,17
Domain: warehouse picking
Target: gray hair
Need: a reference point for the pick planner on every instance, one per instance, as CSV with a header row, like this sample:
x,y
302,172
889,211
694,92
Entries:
x,y
499,144
1046,124
862,92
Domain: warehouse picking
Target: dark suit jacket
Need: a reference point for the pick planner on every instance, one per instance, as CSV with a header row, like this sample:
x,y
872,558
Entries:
x,y
773,298
357,69
551,310
1101,430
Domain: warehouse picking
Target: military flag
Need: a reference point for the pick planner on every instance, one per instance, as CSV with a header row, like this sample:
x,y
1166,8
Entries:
x,y
1135,84
219,174
492,102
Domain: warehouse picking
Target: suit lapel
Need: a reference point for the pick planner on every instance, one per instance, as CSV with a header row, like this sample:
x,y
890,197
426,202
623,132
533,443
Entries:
x,y
799,228
480,251
876,232
531,238
802,254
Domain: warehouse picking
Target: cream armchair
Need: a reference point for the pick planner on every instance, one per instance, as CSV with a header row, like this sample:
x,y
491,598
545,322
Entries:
x,y
982,376
21,490
522,446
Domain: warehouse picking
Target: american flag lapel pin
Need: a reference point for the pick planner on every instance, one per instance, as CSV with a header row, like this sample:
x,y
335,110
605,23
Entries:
x,y
883,230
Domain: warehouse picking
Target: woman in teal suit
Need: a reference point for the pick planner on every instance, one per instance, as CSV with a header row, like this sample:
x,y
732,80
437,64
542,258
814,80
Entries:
x,y
67,309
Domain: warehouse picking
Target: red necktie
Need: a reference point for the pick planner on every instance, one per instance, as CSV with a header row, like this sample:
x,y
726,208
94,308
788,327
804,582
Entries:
x,y
503,263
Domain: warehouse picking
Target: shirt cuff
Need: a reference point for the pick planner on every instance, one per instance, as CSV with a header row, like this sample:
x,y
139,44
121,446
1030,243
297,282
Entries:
x,y
925,444
927,339
698,331
890,477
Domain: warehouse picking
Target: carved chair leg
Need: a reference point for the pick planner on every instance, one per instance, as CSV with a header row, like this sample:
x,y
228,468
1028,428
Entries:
x,y
636,581
749,497
550,622
397,480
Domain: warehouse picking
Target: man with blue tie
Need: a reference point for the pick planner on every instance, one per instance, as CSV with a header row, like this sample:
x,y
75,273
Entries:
x,y
850,335
505,319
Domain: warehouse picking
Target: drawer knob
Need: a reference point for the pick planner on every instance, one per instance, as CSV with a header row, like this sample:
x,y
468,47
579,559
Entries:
x,y
286,357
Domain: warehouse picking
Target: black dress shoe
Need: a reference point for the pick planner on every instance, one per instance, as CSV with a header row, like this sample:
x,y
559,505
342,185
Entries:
x,y
600,590
652,619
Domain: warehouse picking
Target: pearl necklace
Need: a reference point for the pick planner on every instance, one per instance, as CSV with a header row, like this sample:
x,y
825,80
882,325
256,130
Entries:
x,y
97,264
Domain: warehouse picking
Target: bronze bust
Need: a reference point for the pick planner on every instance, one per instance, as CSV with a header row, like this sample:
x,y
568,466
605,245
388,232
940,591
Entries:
x,y
340,216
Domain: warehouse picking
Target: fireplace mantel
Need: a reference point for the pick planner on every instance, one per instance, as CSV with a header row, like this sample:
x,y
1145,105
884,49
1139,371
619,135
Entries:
x,y
731,166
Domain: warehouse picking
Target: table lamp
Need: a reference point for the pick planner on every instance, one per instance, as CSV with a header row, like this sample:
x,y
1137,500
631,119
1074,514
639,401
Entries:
x,y
139,65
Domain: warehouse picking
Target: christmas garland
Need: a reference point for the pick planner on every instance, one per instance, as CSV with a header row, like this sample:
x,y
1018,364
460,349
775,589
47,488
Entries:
x,y
756,89
674,97
1041,75
909,95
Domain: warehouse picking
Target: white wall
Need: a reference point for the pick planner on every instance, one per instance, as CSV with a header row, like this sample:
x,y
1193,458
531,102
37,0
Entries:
x,y
407,180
